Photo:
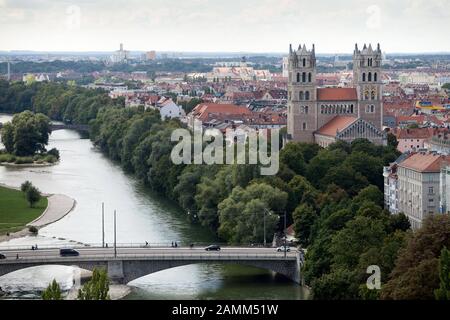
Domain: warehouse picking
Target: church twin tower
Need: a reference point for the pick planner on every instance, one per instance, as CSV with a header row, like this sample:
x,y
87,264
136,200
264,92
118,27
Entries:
x,y
314,111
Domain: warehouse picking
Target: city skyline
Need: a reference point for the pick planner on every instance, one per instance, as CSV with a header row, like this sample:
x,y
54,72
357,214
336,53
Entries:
x,y
406,26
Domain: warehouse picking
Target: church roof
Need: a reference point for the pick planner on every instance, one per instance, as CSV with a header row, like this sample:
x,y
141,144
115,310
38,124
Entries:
x,y
336,94
338,123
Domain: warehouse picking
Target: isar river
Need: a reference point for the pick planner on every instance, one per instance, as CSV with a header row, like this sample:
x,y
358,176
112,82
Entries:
x,y
90,178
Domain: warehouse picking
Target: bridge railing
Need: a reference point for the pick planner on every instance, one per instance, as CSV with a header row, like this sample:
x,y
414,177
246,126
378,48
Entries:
x,y
133,256
110,245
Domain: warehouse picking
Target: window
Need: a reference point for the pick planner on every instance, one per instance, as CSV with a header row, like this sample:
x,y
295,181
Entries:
x,y
304,77
309,77
375,77
364,77
369,77
307,95
306,109
298,76
430,190
304,126
304,62
301,95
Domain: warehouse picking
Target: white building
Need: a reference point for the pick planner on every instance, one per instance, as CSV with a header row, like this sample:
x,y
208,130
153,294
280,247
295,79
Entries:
x,y
418,192
120,56
169,109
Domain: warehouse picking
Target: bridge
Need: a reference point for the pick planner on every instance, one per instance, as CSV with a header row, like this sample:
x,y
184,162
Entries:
x,y
77,127
129,263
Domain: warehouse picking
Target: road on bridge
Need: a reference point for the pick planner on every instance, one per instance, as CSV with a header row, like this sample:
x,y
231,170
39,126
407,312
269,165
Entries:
x,y
145,252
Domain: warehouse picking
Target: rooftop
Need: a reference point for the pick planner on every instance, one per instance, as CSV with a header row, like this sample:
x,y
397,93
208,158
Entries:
x,y
425,162
338,123
337,94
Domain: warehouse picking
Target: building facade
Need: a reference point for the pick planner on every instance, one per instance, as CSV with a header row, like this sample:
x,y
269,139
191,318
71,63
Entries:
x,y
311,108
413,186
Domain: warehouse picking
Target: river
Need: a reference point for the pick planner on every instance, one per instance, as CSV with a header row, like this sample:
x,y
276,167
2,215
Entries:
x,y
86,175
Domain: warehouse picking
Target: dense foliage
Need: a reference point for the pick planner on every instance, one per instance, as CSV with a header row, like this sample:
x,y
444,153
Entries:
x,y
26,134
58,101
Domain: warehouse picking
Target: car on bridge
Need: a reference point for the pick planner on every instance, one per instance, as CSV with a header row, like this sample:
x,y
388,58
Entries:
x,y
2,256
213,247
67,252
283,248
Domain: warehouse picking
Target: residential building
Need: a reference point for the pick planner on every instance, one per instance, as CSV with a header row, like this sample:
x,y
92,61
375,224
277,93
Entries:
x,y
419,177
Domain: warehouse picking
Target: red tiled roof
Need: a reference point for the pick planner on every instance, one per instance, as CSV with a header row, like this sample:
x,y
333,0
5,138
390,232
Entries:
x,y
424,162
415,133
204,110
338,123
337,94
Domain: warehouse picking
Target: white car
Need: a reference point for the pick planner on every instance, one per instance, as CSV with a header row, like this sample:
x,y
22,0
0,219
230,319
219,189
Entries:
x,y
283,248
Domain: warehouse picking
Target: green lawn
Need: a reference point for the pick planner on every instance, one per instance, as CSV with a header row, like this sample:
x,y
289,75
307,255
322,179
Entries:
x,y
15,211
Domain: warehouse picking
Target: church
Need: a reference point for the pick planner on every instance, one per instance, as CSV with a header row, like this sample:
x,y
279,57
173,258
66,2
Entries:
x,y
325,115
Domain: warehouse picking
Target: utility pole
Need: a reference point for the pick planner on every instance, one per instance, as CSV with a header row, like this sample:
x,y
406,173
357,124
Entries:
x,y
103,224
115,235
264,228
285,234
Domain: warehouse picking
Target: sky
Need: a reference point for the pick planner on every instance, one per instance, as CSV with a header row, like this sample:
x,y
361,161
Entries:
x,y
334,26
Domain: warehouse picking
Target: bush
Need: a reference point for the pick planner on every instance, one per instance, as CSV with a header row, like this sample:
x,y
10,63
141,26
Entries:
x,y
33,229
25,186
6,157
54,152
50,159
33,195
23,160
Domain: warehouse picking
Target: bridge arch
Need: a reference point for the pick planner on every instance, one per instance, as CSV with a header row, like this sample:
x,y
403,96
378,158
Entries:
x,y
136,269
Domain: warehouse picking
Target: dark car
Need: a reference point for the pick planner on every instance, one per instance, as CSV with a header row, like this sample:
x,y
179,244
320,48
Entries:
x,y
2,256
68,253
213,247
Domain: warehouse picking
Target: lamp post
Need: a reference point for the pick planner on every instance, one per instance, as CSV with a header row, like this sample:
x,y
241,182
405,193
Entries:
x,y
103,224
264,219
115,235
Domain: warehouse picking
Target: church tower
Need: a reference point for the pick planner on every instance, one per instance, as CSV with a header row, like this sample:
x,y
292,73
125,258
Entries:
x,y
302,111
367,80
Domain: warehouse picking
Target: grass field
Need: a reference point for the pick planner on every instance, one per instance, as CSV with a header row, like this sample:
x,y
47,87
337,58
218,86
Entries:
x,y
15,211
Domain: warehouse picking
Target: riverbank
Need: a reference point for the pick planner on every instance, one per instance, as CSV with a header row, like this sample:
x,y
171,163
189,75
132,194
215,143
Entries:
x,y
58,206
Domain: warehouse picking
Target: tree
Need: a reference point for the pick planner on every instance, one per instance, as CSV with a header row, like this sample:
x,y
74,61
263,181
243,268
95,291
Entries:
x,y
243,212
26,134
304,218
53,292
25,186
341,284
355,238
97,288
292,156
392,140
33,196
443,293
415,275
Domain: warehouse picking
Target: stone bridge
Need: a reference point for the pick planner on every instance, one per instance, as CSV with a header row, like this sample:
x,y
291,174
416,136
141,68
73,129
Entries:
x,y
126,267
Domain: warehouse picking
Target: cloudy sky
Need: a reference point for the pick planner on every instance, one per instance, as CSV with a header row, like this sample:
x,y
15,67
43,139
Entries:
x,y
224,25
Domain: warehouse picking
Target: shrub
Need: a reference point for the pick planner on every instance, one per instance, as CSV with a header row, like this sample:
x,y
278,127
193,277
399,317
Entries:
x,y
33,229
25,186
54,152
50,159
23,160
6,157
